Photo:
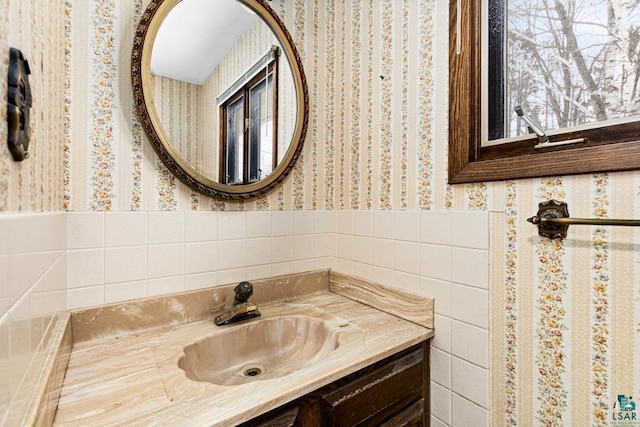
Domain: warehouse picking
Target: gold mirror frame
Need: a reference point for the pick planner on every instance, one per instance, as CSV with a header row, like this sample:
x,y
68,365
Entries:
x,y
143,41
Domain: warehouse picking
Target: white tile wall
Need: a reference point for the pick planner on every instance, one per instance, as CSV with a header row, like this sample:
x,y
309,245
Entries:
x,y
444,255
465,413
33,282
125,229
118,256
200,226
106,257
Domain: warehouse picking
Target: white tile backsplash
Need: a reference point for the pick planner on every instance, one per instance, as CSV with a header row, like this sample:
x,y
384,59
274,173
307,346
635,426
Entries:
x,y
282,268
282,249
440,402
232,254
5,230
85,230
125,229
470,305
200,280
383,253
440,290
165,285
259,272
470,229
470,381
234,275
201,257
407,226
85,297
201,226
4,283
465,413
258,224
442,337
304,246
20,275
165,260
325,222
470,267
435,228
383,224
408,282
381,274
303,265
324,245
304,222
470,343
281,223
440,367
344,222
105,257
362,249
47,232
344,246
125,264
232,225
435,261
16,241
258,251
362,223
126,291
406,256
362,270
165,227
436,422
85,267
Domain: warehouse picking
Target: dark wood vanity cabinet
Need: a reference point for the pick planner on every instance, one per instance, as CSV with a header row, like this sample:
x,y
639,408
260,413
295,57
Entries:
x,y
392,392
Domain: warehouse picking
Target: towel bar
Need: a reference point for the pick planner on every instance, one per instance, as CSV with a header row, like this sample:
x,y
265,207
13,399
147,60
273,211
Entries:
x,y
553,220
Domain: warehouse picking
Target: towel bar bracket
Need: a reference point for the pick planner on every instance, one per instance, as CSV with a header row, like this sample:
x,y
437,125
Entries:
x,y
553,220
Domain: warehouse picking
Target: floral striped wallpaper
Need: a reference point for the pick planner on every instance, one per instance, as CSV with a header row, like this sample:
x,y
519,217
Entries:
x,y
35,184
369,141
565,315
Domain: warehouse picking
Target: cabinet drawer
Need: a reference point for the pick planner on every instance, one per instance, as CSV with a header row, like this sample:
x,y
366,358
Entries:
x,y
373,396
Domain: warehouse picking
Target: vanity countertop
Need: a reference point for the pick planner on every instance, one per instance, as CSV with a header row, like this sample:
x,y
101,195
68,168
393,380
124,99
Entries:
x,y
126,376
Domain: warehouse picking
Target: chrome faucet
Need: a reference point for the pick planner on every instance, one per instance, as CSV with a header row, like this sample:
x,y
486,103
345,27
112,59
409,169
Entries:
x,y
241,309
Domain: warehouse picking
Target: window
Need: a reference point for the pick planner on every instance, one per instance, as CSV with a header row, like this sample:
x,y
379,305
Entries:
x,y
554,59
248,133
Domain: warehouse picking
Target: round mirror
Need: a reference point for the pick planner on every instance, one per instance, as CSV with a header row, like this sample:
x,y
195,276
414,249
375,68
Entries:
x,y
220,91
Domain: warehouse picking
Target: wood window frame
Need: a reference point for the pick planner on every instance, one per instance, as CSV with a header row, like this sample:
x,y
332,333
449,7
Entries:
x,y
244,92
608,148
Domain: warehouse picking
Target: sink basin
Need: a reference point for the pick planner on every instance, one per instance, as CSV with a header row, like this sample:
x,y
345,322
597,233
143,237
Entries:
x,y
258,350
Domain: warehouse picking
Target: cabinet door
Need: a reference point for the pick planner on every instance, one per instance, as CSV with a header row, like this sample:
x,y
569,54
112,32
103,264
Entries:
x,y
412,416
280,417
375,396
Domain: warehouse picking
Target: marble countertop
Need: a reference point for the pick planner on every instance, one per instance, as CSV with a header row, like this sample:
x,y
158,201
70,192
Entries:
x,y
129,376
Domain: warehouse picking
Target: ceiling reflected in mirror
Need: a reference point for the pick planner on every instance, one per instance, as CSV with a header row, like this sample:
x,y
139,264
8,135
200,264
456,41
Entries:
x,y
196,36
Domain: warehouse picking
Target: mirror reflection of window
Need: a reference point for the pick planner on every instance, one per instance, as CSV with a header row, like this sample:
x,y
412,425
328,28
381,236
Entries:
x,y
235,141
568,64
248,152
261,149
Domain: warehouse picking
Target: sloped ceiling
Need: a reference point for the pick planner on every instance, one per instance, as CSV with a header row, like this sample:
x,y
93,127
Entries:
x,y
196,35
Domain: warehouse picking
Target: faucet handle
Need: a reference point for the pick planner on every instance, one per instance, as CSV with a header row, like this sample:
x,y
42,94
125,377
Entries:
x,y
242,292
